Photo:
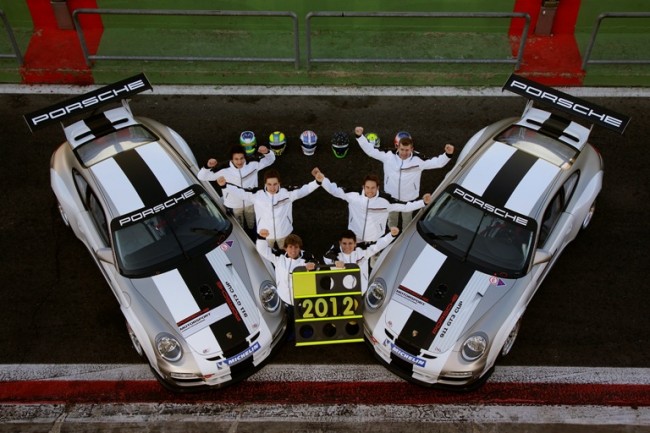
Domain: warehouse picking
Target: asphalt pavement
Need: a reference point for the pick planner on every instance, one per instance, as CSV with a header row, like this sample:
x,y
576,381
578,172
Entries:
x,y
590,312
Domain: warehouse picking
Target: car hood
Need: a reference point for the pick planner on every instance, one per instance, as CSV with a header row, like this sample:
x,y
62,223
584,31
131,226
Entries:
x,y
205,300
436,297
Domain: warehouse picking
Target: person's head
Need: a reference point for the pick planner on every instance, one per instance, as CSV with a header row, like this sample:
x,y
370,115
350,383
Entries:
x,y
370,185
347,241
272,181
292,246
399,136
238,156
405,148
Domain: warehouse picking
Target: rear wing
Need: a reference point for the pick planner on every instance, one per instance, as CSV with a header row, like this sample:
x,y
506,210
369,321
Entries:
x,y
566,103
87,102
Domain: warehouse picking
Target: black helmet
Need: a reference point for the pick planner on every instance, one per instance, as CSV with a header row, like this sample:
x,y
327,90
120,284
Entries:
x,y
340,144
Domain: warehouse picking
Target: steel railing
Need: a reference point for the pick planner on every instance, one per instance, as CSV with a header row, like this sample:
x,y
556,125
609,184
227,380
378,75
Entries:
x,y
12,39
203,13
517,61
587,58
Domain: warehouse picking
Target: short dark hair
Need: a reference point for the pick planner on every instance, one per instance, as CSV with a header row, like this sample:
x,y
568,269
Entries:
x,y
406,141
348,234
236,149
270,174
371,177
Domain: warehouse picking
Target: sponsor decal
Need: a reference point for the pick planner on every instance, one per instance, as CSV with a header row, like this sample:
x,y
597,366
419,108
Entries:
x,y
444,315
396,350
416,302
496,281
503,213
234,303
567,103
88,101
142,214
200,320
226,245
241,356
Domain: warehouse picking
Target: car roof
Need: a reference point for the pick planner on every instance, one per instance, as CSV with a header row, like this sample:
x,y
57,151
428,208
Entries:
x,y
505,176
141,178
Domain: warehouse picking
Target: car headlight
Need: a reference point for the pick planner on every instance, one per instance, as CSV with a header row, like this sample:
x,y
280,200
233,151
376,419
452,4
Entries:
x,y
376,294
269,297
474,347
168,347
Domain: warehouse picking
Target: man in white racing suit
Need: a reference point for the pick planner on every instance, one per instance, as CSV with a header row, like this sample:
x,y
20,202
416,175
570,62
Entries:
x,y
348,251
285,261
273,204
368,210
244,174
402,171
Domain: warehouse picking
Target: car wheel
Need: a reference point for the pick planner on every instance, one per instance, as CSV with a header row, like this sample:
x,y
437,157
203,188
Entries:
x,y
590,214
510,340
64,217
134,340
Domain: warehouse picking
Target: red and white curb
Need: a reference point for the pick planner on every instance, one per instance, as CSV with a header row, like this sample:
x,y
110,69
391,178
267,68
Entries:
x,y
325,394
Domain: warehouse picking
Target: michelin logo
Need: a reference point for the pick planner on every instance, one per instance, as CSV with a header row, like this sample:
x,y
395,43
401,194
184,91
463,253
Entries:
x,y
242,356
405,355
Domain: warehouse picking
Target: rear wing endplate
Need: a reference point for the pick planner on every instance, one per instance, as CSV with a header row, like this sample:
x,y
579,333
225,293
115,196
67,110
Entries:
x,y
566,103
87,102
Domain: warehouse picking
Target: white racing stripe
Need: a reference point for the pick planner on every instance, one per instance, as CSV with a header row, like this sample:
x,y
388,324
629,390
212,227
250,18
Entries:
x,y
417,282
162,166
182,305
530,188
481,174
125,197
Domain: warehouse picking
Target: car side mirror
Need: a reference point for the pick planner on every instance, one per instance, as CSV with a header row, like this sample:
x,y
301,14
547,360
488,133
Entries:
x,y
105,255
541,256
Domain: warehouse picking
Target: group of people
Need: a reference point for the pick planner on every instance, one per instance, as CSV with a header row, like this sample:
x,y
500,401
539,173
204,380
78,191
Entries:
x,y
373,217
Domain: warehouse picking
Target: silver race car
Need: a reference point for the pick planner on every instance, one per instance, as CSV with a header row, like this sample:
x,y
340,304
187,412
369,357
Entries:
x,y
200,305
447,300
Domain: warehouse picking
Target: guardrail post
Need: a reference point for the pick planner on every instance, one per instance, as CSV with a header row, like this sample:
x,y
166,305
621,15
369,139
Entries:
x,y
62,14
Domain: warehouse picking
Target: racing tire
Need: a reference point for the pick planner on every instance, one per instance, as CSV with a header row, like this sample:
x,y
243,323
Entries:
x,y
510,340
135,342
64,217
589,216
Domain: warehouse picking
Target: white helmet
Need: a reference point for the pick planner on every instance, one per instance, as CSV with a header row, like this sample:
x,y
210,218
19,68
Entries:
x,y
308,139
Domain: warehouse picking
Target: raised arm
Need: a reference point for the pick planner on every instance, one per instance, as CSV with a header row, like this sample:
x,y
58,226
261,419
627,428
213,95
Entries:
x,y
368,148
268,158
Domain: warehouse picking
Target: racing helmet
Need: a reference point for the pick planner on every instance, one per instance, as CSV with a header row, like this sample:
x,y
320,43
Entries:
x,y
308,139
340,144
248,141
373,139
400,135
277,142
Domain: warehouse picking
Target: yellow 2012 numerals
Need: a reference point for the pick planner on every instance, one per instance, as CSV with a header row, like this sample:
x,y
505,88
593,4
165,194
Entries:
x,y
327,307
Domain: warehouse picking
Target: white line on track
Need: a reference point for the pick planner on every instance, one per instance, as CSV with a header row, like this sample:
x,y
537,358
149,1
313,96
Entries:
x,y
405,91
328,373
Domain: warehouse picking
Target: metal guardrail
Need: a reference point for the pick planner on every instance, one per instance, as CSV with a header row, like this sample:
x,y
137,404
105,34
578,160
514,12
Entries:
x,y
517,61
592,41
12,39
204,13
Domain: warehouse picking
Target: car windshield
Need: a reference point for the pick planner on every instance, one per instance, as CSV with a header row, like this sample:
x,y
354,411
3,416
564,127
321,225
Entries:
x,y
496,241
158,239
110,144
